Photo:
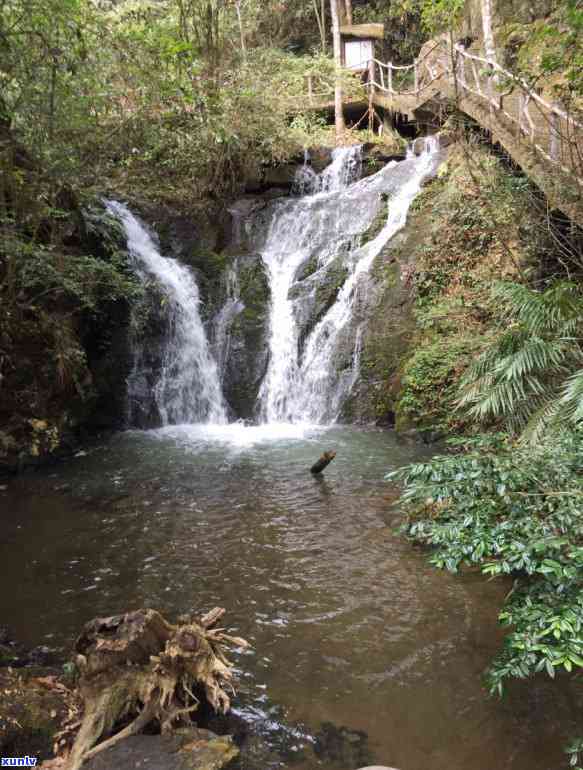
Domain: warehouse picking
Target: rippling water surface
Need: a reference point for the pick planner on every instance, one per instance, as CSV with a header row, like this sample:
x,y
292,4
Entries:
x,y
362,652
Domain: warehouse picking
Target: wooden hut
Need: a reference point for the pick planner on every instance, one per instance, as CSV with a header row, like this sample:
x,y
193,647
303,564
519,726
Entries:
x,y
359,43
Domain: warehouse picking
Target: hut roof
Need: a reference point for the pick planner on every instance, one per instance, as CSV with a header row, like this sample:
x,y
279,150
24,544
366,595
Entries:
x,y
365,31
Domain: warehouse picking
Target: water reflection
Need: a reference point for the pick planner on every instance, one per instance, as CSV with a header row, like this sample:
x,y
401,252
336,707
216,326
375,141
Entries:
x,y
350,626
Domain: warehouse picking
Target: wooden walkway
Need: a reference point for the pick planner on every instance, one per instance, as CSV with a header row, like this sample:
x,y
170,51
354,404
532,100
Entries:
x,y
536,132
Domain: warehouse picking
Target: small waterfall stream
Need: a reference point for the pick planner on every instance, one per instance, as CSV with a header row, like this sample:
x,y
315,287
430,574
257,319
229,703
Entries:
x,y
346,167
304,382
187,387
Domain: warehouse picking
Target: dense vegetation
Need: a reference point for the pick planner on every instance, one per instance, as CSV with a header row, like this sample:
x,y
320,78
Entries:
x,y
498,361
186,98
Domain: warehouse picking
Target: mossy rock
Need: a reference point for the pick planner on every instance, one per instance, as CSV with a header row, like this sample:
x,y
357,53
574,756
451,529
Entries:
x,y
104,234
31,709
314,294
389,328
248,352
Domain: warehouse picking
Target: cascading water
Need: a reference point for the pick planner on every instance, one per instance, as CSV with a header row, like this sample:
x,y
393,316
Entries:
x,y
304,382
186,387
346,167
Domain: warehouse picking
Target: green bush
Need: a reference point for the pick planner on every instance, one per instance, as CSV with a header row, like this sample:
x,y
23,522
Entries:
x,y
515,511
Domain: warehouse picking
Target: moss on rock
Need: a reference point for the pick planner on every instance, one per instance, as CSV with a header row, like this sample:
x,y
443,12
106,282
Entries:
x,y
468,235
248,351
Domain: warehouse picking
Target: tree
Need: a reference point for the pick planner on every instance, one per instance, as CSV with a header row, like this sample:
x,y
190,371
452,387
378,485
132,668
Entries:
x,y
489,44
241,31
321,21
348,11
338,113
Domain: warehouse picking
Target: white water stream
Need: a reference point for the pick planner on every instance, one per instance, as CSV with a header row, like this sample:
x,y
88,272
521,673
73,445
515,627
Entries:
x,y
187,387
303,382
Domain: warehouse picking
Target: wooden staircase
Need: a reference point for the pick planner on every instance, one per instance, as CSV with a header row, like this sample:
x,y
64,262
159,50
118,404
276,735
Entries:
x,y
536,132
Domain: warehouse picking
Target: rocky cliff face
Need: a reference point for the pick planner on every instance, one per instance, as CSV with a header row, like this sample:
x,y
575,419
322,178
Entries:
x,y
64,345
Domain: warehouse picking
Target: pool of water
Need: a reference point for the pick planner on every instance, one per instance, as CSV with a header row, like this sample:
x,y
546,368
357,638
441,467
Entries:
x,y
352,632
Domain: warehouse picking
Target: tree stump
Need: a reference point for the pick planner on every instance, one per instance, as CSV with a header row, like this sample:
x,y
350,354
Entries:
x,y
139,667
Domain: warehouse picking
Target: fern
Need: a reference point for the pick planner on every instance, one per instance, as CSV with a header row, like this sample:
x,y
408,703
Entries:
x,y
532,376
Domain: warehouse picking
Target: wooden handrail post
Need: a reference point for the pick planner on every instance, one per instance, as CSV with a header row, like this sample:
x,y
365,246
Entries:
x,y
371,89
520,113
371,77
554,139
390,77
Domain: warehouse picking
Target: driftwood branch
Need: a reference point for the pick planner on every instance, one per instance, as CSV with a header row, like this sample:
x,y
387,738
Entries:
x,y
323,462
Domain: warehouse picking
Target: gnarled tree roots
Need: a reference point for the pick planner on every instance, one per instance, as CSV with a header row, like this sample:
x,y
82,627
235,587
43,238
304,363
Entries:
x,y
138,668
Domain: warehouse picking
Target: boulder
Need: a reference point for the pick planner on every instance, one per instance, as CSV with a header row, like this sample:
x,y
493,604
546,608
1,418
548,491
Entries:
x,y
188,749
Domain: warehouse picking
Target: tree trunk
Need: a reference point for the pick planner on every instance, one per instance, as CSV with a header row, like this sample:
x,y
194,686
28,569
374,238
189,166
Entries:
x,y
338,113
489,44
348,11
241,32
321,21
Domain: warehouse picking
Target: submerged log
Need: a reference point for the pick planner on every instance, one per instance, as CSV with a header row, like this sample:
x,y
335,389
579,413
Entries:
x,y
323,462
136,669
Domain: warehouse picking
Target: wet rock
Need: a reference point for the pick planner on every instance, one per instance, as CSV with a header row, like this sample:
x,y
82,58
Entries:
x,y
63,488
41,656
315,291
320,157
342,745
246,363
280,176
14,654
257,753
187,749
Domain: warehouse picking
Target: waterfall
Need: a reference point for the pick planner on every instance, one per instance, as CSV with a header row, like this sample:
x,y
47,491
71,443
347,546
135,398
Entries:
x,y
346,167
185,388
304,382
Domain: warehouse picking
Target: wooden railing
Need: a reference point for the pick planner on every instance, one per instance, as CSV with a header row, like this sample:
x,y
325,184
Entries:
x,y
546,125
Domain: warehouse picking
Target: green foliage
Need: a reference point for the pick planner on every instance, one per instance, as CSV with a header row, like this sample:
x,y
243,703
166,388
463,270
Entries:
x,y
551,48
441,14
511,511
430,380
155,90
457,255
53,297
405,32
88,283
531,375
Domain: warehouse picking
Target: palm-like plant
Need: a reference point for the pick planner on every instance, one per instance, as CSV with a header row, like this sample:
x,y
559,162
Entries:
x,y
532,376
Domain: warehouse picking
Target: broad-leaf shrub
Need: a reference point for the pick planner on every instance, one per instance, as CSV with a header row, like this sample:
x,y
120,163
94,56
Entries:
x,y
516,511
